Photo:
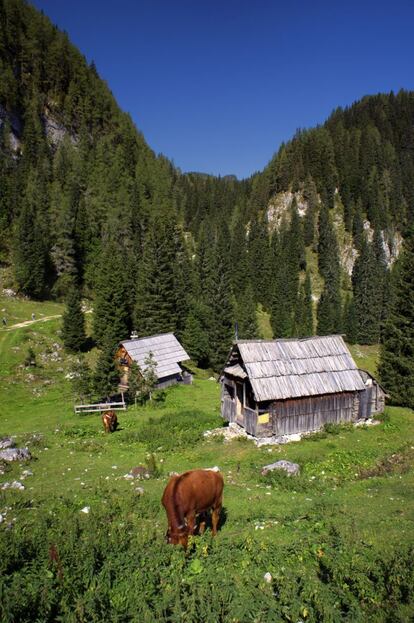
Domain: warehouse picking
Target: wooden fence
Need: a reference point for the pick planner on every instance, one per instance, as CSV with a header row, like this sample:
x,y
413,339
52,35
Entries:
x,y
100,406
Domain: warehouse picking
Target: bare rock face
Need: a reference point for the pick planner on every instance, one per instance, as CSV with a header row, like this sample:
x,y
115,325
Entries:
x,y
15,454
292,469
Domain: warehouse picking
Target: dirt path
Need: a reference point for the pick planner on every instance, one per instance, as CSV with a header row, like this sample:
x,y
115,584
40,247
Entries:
x,y
26,323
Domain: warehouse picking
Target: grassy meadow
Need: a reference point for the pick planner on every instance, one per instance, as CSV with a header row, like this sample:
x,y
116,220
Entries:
x,y
337,541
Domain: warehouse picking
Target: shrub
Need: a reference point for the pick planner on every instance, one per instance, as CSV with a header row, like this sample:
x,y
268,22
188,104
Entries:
x,y
177,430
30,359
113,565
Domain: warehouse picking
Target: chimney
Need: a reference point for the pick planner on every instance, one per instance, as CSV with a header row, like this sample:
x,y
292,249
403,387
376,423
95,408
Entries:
x,y
134,335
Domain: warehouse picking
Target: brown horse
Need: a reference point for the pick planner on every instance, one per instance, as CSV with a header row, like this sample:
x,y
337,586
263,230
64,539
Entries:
x,y
188,495
109,421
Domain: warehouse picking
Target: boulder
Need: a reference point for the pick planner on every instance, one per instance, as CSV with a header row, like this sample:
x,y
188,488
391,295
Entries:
x,y
13,485
15,454
292,469
6,442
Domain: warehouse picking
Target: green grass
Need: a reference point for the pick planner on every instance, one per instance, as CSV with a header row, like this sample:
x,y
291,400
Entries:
x,y
263,321
16,309
354,497
366,357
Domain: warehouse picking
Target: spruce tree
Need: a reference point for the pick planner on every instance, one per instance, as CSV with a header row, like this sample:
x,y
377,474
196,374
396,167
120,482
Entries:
x,y
195,335
106,376
329,313
396,366
311,197
218,299
368,286
134,382
81,379
30,248
73,326
258,254
156,303
350,321
246,315
111,320
303,321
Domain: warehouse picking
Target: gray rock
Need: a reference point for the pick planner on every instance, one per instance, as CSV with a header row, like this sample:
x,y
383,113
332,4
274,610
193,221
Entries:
x,y
13,485
15,454
6,442
139,490
292,469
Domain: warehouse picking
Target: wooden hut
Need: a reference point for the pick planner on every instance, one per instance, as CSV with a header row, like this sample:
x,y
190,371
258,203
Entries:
x,y
167,353
280,387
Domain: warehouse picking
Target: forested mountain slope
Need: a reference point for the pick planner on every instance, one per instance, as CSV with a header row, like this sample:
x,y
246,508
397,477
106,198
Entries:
x,y
86,204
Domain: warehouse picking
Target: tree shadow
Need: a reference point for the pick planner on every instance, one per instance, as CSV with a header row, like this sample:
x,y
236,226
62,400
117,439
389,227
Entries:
x,y
88,344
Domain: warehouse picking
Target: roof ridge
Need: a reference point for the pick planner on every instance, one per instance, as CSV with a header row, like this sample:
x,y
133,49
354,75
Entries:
x,y
148,337
288,339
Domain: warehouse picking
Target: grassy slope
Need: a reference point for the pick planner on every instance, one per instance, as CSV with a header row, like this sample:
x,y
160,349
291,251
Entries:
x,y
75,458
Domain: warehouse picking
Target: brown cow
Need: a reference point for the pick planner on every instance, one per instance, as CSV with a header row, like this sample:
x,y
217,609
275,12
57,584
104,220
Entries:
x,y
109,421
188,495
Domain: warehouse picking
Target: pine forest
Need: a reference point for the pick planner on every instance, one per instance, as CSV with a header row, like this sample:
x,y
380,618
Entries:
x,y
319,242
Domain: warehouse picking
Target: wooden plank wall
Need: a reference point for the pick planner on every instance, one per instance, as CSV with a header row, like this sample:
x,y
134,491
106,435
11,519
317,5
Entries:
x,y
307,414
228,409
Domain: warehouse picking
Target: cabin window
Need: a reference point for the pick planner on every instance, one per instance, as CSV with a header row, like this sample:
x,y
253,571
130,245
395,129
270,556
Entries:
x,y
123,361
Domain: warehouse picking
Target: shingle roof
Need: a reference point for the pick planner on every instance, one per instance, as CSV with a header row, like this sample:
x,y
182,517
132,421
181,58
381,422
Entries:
x,y
280,369
166,349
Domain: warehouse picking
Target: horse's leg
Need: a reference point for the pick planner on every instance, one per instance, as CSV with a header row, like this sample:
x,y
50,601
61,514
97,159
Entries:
x,y
191,519
215,516
202,525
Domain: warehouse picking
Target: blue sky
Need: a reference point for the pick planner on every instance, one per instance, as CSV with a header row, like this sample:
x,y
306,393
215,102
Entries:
x,y
217,86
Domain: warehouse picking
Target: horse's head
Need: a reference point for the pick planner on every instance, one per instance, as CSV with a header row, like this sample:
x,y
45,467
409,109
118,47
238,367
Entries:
x,y
179,536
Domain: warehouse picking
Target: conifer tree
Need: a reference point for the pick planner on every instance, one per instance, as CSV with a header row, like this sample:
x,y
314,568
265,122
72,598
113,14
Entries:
x,y
396,366
134,382
311,197
281,292
155,308
218,299
73,325
111,320
30,250
350,321
195,335
246,315
368,284
106,377
239,258
303,321
329,313
81,379
258,254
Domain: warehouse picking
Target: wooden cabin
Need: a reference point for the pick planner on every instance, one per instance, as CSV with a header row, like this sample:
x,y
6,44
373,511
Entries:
x,y
168,355
286,386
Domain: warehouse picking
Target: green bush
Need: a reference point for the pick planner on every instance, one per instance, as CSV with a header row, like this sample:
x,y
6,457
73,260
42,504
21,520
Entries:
x,y
279,479
114,565
177,430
